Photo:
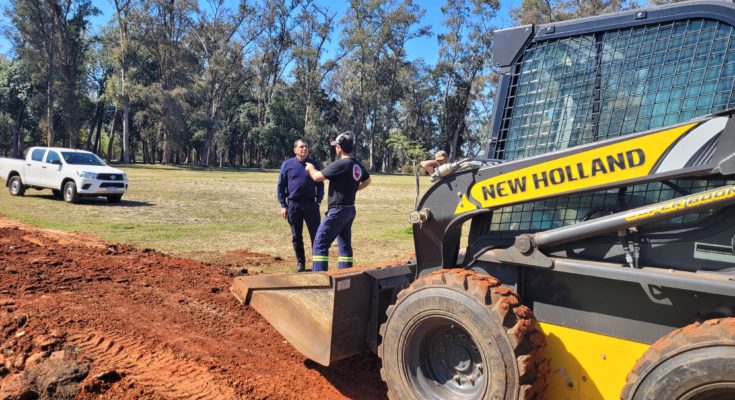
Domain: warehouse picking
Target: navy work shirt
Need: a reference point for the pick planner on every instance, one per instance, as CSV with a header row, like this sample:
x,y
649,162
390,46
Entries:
x,y
295,184
344,177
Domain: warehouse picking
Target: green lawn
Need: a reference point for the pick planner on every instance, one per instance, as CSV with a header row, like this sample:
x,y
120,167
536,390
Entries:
x,y
208,214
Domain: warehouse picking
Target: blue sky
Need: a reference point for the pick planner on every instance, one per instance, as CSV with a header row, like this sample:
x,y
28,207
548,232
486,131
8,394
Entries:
x,y
425,48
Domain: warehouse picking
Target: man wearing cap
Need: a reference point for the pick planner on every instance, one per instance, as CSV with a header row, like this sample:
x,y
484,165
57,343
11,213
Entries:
x,y
346,176
439,159
299,197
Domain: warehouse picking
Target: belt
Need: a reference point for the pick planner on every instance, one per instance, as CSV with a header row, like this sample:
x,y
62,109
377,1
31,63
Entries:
x,y
342,206
302,201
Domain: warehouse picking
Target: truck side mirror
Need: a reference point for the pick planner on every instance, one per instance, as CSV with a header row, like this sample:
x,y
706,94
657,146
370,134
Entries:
x,y
55,162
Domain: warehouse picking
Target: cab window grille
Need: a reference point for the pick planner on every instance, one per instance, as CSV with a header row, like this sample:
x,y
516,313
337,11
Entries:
x,y
554,213
577,90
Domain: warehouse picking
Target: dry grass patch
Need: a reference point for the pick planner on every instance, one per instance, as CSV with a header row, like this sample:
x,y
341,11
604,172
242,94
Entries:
x,y
208,214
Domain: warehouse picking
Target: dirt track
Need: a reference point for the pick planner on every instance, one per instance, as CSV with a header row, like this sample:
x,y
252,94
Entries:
x,y
101,321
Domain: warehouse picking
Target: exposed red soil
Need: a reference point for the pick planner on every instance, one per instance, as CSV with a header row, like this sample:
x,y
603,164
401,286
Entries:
x,y
79,317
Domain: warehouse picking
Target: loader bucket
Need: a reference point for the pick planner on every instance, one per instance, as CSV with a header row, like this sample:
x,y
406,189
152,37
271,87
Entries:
x,y
324,315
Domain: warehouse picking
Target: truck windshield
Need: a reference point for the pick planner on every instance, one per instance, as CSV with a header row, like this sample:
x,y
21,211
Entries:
x,y
82,159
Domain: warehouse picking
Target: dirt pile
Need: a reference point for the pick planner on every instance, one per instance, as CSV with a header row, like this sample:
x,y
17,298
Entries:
x,y
91,320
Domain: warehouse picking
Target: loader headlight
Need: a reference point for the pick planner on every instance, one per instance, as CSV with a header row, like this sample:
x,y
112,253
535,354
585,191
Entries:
x,y
87,174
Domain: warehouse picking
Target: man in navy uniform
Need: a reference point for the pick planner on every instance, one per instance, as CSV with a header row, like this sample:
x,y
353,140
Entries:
x,y
346,176
299,197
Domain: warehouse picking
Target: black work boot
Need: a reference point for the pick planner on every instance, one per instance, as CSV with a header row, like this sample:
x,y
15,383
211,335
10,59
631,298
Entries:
x,y
300,267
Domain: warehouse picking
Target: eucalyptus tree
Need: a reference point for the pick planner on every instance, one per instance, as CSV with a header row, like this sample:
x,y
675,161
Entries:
x,y
374,37
419,105
314,26
273,51
123,8
220,38
547,11
101,68
73,43
464,59
401,28
36,24
161,27
51,37
16,93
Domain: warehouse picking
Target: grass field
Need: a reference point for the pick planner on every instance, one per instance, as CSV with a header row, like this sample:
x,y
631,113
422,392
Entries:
x,y
209,214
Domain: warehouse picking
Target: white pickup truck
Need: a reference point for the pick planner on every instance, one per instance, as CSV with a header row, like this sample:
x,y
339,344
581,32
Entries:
x,y
73,173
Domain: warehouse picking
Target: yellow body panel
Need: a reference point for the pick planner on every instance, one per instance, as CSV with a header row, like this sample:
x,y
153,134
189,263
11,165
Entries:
x,y
586,365
597,167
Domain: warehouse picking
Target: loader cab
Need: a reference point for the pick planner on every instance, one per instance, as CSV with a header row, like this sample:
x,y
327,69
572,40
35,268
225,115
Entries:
x,y
572,83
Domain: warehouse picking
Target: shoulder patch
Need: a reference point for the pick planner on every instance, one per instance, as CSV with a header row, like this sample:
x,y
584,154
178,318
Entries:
x,y
356,172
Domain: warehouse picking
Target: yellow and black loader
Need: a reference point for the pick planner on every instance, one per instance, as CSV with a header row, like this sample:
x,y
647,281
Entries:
x,y
600,256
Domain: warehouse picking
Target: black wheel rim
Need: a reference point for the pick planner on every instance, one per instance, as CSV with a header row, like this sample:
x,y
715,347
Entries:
x,y
712,391
443,360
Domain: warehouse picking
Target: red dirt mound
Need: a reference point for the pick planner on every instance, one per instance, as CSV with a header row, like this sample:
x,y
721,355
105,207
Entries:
x,y
92,320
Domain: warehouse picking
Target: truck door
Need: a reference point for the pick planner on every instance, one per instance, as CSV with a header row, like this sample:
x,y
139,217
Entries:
x,y
33,167
51,171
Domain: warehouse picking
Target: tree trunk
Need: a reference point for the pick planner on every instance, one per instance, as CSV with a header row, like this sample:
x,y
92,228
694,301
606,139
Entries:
x,y
205,151
95,125
50,107
125,156
146,160
98,131
16,136
112,136
166,150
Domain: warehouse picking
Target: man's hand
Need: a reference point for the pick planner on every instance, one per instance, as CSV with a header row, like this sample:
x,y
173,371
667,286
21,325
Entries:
x,y
284,212
364,184
314,173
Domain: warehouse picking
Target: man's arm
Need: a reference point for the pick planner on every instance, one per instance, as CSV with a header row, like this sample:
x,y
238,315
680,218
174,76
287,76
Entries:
x,y
319,187
364,184
315,174
282,190
429,166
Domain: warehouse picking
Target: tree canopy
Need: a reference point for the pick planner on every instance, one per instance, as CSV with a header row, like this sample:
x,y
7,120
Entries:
x,y
209,83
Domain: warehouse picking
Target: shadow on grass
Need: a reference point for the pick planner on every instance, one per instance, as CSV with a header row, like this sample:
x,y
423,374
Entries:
x,y
356,377
102,201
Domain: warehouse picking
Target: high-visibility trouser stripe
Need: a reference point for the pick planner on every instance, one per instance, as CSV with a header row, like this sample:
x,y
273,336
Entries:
x,y
345,259
320,258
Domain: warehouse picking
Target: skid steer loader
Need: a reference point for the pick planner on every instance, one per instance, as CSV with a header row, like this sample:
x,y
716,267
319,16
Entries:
x,y
600,259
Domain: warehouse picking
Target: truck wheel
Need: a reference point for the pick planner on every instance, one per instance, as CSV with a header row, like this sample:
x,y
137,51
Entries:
x,y
114,198
70,192
696,362
16,186
457,334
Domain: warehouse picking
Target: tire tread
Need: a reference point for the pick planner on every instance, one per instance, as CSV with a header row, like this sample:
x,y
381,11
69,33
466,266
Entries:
x,y
713,332
517,320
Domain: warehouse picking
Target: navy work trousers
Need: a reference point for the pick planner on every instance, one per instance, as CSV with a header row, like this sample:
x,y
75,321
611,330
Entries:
x,y
337,224
298,212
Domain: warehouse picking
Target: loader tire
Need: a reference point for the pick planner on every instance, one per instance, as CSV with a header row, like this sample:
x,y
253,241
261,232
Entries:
x,y
457,334
696,362
16,186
